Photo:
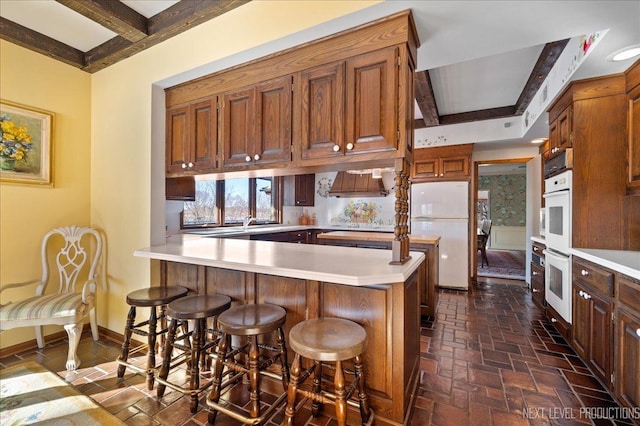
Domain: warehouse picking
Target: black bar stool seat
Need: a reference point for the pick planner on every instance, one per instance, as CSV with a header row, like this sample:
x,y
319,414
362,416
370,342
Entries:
x,y
152,297
249,322
196,344
328,340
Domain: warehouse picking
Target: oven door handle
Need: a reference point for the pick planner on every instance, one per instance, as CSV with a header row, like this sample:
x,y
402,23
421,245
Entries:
x,y
557,256
555,194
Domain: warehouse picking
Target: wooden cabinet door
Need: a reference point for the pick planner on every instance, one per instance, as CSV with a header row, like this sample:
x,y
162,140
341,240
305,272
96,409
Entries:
x,y
601,343
633,162
238,127
564,129
553,139
177,140
454,166
304,190
204,134
322,111
273,121
372,98
427,168
581,321
628,359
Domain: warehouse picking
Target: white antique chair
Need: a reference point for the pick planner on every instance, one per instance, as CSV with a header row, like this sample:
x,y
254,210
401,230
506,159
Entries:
x,y
66,307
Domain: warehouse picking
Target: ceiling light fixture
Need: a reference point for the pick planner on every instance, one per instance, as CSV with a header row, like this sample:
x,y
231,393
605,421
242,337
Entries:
x,y
538,140
624,54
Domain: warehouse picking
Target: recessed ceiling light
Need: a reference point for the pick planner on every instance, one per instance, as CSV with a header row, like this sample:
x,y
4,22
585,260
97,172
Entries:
x,y
538,140
624,54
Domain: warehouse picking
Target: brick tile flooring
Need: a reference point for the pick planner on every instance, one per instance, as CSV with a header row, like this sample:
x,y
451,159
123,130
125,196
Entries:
x,y
490,358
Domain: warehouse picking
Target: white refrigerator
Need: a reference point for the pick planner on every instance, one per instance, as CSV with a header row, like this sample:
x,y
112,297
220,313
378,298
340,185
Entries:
x,y
442,208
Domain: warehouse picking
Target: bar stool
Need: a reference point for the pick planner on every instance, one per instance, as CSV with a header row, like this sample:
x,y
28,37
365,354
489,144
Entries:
x,y
328,340
249,321
197,309
151,297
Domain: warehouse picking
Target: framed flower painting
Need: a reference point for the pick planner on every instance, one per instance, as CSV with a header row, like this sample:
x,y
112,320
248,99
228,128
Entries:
x,y
25,144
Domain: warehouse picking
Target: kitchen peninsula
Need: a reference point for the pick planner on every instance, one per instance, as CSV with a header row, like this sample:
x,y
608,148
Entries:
x,y
312,281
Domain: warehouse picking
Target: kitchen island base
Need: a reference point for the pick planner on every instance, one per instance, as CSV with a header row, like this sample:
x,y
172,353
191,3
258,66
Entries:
x,y
388,312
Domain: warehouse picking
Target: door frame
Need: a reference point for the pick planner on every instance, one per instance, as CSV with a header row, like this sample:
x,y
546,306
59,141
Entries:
x,y
474,212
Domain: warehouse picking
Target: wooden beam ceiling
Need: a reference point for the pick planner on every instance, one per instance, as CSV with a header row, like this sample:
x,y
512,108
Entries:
x,y
426,99
135,32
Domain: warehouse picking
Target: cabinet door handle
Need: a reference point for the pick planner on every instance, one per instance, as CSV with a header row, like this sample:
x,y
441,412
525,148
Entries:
x,y
534,273
349,146
535,290
256,157
581,293
184,166
638,332
190,165
336,148
554,320
247,158
584,272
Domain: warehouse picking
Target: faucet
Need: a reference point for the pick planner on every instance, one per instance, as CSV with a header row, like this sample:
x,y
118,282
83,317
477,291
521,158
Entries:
x,y
247,221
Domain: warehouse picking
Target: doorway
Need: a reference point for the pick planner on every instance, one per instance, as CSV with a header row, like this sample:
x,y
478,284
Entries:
x,y
500,188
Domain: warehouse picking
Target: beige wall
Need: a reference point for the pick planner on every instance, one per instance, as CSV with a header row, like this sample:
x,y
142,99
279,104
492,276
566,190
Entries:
x,y
27,212
127,131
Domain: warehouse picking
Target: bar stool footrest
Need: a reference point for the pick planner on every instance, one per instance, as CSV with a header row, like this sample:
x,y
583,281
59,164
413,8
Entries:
x,y
249,420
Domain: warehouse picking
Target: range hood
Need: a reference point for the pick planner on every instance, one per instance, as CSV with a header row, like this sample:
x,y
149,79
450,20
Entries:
x,y
357,185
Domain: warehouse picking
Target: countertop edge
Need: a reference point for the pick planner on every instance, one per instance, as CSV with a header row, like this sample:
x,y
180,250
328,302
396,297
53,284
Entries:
x,y
607,258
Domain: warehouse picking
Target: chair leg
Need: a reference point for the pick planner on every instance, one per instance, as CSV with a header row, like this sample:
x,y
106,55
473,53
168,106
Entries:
x,y
341,402
254,377
365,412
292,391
94,324
39,337
194,373
151,354
74,331
124,355
316,406
166,358
218,367
284,366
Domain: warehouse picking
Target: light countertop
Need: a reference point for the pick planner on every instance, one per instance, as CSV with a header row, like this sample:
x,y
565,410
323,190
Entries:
x,y
376,236
623,261
341,265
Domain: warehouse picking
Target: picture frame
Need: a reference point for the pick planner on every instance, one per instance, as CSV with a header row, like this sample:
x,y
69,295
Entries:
x,y
26,147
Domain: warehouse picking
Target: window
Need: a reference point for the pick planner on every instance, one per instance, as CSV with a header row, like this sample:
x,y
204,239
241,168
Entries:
x,y
228,202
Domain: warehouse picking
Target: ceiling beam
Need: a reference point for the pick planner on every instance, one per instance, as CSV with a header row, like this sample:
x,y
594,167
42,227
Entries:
x,y
426,99
32,40
547,59
180,17
114,15
479,115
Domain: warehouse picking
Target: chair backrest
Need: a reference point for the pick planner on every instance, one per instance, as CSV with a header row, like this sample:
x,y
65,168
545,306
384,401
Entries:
x,y
486,227
72,257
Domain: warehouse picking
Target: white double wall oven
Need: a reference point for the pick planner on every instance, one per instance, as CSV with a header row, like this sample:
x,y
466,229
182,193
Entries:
x,y
558,242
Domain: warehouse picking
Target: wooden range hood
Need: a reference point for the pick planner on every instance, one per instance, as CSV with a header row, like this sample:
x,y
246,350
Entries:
x,y
356,184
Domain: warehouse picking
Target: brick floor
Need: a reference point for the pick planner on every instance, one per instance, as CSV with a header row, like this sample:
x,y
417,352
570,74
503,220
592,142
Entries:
x,y
490,358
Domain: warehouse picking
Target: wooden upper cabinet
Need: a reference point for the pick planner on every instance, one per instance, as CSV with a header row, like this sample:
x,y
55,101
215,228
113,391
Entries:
x,y
322,111
372,102
446,162
192,138
257,123
560,137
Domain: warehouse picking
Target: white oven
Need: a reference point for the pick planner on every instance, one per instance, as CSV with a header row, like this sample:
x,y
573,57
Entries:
x,y
558,212
558,241
557,282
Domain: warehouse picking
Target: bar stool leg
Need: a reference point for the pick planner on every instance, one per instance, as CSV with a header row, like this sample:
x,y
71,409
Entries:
x,y
163,326
194,380
292,392
151,355
316,406
365,412
127,340
284,366
166,360
218,367
341,403
254,377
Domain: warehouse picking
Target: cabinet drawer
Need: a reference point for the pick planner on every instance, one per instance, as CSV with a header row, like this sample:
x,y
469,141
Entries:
x,y
629,292
537,249
594,276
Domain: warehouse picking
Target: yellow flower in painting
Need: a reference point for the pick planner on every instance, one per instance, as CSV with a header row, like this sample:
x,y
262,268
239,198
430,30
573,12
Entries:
x,y
15,141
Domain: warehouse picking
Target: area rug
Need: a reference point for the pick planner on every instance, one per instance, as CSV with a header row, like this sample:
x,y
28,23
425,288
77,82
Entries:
x,y
503,264
31,394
